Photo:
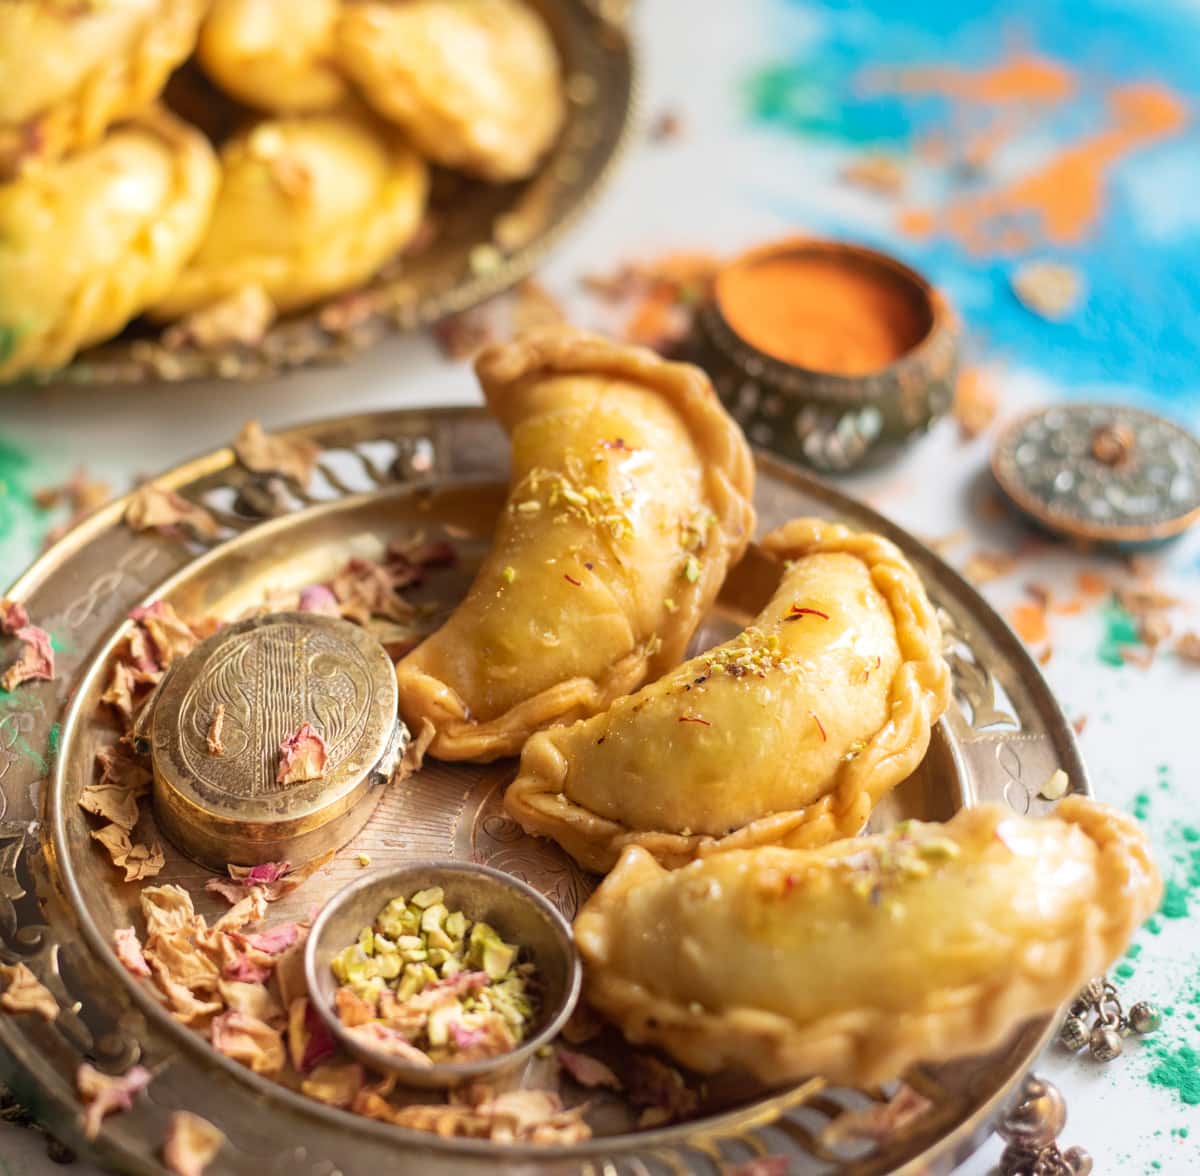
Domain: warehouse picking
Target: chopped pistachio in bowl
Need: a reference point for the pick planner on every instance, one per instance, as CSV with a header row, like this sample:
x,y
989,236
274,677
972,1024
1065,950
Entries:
x,y
441,972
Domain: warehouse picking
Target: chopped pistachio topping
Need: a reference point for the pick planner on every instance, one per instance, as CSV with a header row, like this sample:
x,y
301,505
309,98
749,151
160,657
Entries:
x,y
435,983
509,574
752,652
571,495
693,531
691,569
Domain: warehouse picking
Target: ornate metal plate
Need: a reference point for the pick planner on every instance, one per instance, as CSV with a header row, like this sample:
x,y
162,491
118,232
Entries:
x,y
488,236
382,475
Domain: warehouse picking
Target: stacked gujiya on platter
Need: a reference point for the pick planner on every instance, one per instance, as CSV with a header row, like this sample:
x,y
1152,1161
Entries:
x,y
746,925
304,174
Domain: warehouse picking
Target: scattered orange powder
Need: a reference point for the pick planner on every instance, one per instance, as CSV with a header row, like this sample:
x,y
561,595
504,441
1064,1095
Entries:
x,y
1064,198
1029,620
820,313
1021,78
1070,608
975,402
1091,583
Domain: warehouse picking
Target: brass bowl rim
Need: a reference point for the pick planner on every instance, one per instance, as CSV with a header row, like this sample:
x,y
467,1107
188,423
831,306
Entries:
x,y
428,871
1069,526
943,320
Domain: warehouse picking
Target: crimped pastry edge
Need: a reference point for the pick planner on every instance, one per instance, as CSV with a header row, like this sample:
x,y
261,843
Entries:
x,y
196,173
114,91
864,1047
921,686
729,486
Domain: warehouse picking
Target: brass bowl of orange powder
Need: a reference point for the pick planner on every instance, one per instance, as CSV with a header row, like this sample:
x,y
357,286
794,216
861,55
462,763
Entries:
x,y
828,353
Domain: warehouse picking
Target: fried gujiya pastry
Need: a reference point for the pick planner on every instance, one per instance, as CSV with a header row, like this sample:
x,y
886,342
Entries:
x,y
630,496
68,71
476,84
308,206
787,735
88,242
276,57
858,959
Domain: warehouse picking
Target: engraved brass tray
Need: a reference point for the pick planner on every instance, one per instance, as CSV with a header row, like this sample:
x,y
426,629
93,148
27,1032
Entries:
x,y
488,236
382,475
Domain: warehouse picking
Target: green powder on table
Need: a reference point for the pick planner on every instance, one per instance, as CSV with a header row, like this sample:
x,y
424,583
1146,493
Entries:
x,y
1175,901
1124,971
1178,1070
1120,629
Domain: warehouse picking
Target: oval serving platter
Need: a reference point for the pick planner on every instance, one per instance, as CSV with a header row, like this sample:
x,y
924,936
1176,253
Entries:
x,y
382,475
489,236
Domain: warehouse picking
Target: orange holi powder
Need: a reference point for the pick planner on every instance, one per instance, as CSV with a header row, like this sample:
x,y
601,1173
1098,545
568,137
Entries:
x,y
819,313
1029,621
1023,77
1062,200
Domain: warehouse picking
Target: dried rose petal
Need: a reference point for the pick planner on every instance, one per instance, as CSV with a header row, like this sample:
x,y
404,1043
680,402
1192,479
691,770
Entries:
x,y
12,616
759,1166
213,738
365,590
318,598
192,1144
975,403
171,635
880,1121
137,860
384,1039
26,993
587,1071
1187,648
660,1087
275,939
250,1041
309,1040
265,453
129,951
166,909
106,1094
36,660
114,804
414,753
302,756
261,875
337,1086
255,999
155,508
241,317
984,566
1048,288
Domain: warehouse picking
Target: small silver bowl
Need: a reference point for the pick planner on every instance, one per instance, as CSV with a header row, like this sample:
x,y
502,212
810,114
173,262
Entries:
x,y
518,913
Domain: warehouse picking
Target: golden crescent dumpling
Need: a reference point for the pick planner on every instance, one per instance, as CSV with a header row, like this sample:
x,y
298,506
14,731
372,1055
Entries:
x,y
788,734
631,495
475,83
278,57
308,206
860,958
88,242
67,71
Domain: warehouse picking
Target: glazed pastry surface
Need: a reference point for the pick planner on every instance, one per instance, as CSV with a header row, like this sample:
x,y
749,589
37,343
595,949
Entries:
x,y
88,242
276,57
630,497
475,83
308,206
788,734
68,71
860,958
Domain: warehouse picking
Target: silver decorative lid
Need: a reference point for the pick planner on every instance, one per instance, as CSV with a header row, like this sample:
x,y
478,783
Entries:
x,y
1101,473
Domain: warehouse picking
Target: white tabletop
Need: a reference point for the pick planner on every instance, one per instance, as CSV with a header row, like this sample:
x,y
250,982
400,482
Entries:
x,y
727,181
